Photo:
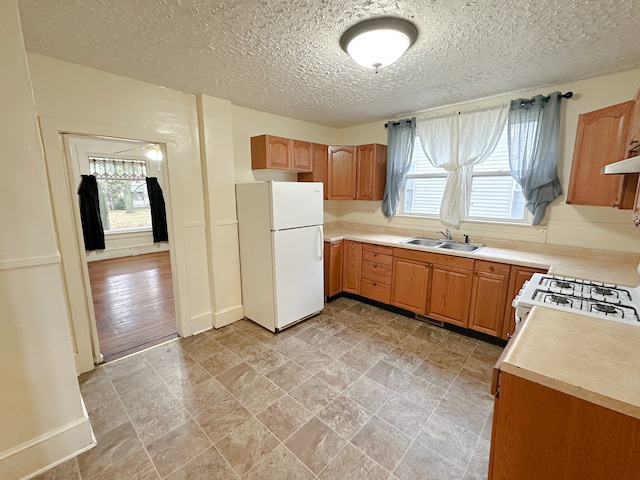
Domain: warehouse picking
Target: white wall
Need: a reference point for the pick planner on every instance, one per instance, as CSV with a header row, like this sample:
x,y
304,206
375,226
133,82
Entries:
x,y
571,225
82,100
42,418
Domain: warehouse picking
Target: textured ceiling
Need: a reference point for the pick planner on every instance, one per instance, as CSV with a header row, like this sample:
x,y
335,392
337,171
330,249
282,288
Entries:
x,y
284,57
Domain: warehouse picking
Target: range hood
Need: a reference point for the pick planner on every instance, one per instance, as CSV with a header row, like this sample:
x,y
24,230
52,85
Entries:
x,y
630,165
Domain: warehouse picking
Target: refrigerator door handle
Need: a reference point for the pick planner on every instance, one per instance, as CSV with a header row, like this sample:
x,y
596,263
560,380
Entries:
x,y
321,243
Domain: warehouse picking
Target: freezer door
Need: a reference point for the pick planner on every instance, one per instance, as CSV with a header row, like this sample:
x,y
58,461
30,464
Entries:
x,y
298,275
296,204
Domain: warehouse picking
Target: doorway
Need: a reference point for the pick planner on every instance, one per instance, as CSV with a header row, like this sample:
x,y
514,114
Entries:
x,y
133,303
129,282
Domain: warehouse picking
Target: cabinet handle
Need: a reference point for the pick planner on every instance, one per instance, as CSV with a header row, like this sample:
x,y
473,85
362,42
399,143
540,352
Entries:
x,y
491,268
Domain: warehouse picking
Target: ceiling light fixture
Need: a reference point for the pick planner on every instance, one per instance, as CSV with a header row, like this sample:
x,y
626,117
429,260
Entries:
x,y
378,42
154,153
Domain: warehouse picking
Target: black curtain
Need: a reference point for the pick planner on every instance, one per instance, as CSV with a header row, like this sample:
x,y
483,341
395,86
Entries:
x,y
92,230
158,211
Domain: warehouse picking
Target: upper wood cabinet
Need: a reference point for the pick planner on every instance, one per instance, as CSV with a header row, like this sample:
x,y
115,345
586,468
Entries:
x,y
278,153
488,297
517,276
319,170
332,268
371,171
302,156
351,266
269,152
341,176
601,139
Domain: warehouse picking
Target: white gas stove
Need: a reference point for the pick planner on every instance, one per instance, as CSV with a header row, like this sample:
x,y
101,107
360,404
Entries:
x,y
584,297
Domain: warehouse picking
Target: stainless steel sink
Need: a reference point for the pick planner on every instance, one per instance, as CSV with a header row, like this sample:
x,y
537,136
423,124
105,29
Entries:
x,y
461,247
423,242
444,244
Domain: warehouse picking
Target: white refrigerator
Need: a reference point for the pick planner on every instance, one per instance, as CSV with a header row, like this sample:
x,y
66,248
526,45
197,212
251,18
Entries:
x,y
281,251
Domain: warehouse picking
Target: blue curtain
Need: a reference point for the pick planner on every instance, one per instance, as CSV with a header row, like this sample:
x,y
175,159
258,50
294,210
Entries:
x,y
400,138
534,126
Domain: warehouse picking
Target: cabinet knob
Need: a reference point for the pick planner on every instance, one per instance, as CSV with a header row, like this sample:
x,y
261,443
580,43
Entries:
x,y
509,336
491,269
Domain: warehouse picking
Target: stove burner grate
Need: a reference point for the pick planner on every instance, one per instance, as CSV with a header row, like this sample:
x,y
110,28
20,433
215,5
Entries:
x,y
558,299
607,309
561,284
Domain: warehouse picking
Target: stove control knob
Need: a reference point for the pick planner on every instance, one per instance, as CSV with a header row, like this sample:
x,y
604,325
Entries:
x,y
636,221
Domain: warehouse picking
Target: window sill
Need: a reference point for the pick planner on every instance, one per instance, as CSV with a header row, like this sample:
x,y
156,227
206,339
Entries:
x,y
482,221
133,232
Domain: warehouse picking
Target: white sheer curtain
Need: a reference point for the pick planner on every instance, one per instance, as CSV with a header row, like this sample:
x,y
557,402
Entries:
x,y
456,142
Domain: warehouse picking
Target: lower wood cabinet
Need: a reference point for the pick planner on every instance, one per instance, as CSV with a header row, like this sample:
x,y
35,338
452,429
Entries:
x,y
351,266
488,297
377,266
474,294
517,277
450,294
410,284
332,268
542,433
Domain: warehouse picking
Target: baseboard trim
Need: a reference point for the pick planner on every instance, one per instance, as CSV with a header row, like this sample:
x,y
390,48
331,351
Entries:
x,y
228,316
46,451
201,323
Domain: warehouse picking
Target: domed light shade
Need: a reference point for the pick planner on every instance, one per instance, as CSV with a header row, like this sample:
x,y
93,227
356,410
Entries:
x,y
378,42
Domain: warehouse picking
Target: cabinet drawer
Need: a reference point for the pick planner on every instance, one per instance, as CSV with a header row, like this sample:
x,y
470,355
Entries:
x,y
377,257
492,267
369,247
376,272
376,291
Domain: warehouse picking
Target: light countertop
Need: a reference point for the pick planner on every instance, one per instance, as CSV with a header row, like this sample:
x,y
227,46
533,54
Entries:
x,y
589,358
609,267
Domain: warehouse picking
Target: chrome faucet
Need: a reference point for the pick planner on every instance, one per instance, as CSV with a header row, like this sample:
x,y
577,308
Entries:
x,y
446,233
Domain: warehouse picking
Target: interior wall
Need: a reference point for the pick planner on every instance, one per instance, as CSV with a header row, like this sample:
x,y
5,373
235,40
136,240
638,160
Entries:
x,y
42,416
568,225
116,106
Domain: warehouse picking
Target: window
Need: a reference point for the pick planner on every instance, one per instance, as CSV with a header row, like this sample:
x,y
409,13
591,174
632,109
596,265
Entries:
x,y
495,195
124,202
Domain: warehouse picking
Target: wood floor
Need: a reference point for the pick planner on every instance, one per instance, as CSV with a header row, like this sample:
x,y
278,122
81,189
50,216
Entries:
x,y
133,303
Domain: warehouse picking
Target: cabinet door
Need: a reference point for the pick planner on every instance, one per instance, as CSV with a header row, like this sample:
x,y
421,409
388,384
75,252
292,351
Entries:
x,y
371,171
302,153
409,286
450,295
319,173
601,139
517,277
341,180
332,268
269,152
488,297
351,267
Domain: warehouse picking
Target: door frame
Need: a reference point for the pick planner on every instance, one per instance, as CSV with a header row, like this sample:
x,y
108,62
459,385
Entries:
x,y
75,274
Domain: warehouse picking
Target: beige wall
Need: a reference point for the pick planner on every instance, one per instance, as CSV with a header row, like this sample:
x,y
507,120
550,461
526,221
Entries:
x,y
42,418
73,98
573,225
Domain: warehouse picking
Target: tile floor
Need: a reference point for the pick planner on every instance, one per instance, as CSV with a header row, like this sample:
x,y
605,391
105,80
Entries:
x,y
354,393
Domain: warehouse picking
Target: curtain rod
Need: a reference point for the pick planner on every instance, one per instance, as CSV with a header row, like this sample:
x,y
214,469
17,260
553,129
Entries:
x,y
395,124
531,101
